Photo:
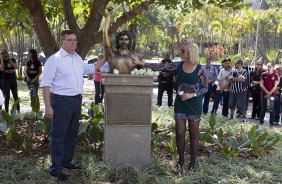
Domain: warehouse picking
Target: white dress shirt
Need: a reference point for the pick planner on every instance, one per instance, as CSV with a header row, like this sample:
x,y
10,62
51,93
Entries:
x,y
63,73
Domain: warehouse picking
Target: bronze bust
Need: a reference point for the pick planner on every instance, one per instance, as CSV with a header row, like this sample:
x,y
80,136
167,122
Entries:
x,y
123,59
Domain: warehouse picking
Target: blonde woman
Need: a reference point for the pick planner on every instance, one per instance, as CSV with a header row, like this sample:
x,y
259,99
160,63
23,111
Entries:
x,y
188,103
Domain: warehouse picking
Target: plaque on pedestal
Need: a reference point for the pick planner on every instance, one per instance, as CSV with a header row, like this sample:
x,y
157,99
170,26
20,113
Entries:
x,y
128,113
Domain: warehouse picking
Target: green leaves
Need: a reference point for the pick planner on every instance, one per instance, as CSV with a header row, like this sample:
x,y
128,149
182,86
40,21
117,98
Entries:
x,y
35,105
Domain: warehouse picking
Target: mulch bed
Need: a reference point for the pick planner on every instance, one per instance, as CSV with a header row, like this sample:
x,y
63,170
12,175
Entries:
x,y
39,145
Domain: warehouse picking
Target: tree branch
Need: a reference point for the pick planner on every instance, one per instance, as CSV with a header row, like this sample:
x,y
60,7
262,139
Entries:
x,y
47,41
98,37
96,14
69,15
130,15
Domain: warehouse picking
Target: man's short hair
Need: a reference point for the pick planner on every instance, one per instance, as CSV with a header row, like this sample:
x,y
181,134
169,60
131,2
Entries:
x,y
64,33
239,61
226,59
122,33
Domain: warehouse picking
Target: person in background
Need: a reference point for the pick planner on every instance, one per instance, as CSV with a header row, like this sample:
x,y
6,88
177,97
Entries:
x,y
223,87
62,88
238,90
99,87
246,66
165,83
269,81
256,90
277,102
188,102
9,79
211,73
32,71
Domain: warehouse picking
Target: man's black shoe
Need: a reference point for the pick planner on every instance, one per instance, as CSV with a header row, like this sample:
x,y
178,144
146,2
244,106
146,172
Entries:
x,y
72,166
252,118
261,122
59,175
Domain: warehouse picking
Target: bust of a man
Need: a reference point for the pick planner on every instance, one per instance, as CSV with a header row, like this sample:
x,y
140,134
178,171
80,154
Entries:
x,y
122,59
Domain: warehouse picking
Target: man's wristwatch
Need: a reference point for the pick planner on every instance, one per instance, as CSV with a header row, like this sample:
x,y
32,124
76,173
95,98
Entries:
x,y
194,94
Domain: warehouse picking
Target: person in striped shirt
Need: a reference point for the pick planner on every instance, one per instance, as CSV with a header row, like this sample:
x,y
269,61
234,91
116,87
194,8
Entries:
x,y
238,90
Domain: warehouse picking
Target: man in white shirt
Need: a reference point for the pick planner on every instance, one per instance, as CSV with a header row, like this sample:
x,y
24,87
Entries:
x,y
223,87
62,88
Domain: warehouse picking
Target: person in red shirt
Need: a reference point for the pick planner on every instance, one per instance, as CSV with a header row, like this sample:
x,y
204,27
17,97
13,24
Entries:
x,y
97,77
269,81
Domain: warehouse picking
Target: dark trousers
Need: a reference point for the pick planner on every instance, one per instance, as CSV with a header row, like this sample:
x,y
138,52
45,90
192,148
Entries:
x,y
263,109
168,87
256,95
7,86
99,92
277,108
64,129
207,97
219,95
247,97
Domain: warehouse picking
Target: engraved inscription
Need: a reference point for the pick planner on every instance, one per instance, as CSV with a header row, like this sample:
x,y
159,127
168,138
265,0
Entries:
x,y
128,109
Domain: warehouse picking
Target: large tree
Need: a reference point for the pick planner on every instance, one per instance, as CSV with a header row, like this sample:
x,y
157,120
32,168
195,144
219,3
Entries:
x,y
90,33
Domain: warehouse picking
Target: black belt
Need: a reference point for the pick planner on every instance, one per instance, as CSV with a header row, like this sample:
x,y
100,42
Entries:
x,y
75,96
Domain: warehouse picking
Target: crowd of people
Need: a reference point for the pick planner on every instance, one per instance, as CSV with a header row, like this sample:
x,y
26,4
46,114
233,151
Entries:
x,y
228,85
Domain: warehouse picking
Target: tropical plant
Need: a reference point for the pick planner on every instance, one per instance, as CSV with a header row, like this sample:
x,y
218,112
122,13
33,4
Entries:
x,y
91,127
229,146
9,130
260,141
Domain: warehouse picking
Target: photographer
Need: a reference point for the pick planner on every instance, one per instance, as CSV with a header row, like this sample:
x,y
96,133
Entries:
x,y
9,81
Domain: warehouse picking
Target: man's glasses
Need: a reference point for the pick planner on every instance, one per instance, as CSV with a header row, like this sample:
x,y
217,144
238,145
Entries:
x,y
71,40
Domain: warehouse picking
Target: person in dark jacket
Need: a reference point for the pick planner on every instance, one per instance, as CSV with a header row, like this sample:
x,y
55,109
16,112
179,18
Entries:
x,y
165,80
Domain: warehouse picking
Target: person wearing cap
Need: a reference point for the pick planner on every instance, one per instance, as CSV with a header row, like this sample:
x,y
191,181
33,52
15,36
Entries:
x,y
269,81
211,74
238,89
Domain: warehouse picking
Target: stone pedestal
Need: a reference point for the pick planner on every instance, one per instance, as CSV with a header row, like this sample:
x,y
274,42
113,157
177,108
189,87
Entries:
x,y
128,114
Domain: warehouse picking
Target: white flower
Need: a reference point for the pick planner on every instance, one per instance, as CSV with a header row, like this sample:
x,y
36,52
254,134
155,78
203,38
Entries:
x,y
157,73
180,93
132,73
215,136
271,98
87,101
116,71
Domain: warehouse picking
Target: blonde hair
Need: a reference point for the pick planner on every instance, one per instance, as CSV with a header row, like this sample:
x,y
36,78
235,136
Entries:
x,y
193,52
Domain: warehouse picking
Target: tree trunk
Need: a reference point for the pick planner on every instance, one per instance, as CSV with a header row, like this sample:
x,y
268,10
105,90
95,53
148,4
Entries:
x,y
41,27
89,35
